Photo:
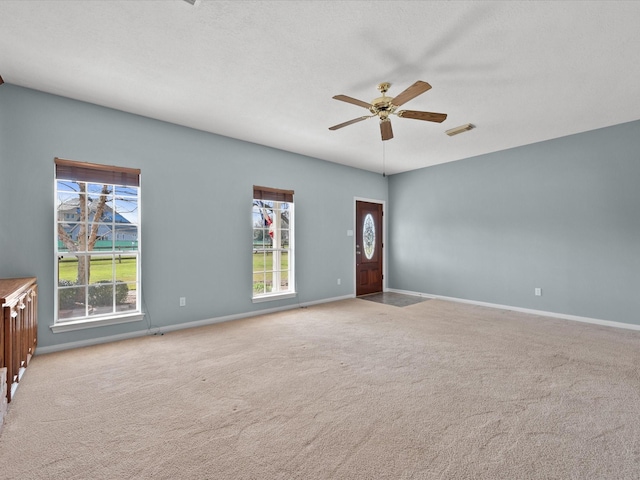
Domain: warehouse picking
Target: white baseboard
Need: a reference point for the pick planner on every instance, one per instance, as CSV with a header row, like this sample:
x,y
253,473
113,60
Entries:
x,y
228,318
87,343
239,316
180,326
563,316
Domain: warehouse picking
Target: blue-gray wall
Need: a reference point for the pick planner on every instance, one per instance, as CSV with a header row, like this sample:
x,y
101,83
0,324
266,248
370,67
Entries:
x,y
196,208
562,215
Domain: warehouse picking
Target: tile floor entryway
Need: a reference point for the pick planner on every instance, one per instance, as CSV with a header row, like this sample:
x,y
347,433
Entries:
x,y
395,299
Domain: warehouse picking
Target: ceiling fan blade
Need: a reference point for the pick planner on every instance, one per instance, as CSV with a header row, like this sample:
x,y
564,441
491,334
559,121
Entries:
x,y
355,120
352,100
413,91
428,116
385,129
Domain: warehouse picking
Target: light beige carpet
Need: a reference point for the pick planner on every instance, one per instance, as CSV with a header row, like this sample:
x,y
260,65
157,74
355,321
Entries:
x,y
348,390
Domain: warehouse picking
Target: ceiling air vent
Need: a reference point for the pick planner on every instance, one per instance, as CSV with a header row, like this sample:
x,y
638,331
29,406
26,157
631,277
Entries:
x,y
462,128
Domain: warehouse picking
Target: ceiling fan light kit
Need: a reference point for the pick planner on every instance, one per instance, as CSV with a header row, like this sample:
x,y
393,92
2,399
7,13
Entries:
x,y
462,128
384,106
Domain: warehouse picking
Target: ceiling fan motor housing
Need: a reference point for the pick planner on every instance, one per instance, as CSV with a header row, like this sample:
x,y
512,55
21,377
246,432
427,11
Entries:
x,y
382,107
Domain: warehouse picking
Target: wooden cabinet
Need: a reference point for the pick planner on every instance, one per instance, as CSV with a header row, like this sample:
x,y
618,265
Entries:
x,y
19,329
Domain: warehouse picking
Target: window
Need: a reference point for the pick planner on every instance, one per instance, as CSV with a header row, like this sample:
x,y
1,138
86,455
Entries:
x,y
97,247
273,252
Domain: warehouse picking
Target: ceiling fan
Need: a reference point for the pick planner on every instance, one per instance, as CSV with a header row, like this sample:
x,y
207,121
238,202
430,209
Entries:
x,y
384,106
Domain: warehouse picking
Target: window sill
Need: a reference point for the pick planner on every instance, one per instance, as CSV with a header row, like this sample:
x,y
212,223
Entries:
x,y
97,322
274,296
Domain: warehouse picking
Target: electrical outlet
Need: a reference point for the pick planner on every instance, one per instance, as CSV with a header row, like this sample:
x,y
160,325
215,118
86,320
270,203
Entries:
x,y
183,301
339,281
538,292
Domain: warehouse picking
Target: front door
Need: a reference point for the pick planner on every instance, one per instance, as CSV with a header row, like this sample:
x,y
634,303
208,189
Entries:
x,y
368,248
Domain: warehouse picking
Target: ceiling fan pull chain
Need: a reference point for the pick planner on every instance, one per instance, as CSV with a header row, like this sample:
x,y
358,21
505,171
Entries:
x,y
383,161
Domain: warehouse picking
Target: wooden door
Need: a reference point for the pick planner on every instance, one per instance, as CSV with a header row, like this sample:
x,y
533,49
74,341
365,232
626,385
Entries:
x,y
369,273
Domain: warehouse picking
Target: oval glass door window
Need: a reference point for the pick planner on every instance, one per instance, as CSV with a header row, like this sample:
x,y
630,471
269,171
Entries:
x,y
369,236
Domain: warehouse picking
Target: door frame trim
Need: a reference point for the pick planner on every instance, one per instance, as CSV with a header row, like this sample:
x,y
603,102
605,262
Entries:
x,y
384,241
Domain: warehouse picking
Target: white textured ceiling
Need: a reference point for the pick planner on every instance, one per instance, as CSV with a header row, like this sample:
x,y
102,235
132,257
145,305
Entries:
x,y
265,71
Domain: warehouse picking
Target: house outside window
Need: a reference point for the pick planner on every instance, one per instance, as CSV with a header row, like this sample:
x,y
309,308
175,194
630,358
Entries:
x,y
273,244
97,244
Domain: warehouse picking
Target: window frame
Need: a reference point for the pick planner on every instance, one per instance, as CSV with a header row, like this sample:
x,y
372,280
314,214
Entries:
x,y
276,197
118,179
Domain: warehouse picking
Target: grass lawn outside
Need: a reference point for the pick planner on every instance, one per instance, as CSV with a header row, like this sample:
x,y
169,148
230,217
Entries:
x,y
101,269
125,268
263,270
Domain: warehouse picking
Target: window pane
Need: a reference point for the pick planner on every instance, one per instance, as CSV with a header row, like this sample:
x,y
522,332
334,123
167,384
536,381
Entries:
x,y
126,210
126,297
70,209
100,298
284,238
264,239
256,216
101,268
283,267
96,189
98,212
103,237
285,217
268,261
98,199
83,266
268,282
72,268
71,302
67,236
258,283
262,223
126,268
284,261
67,269
67,186
81,242
126,238
68,206
369,236
121,191
259,261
